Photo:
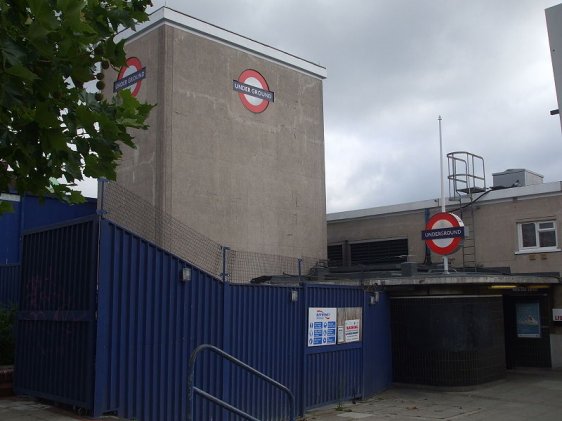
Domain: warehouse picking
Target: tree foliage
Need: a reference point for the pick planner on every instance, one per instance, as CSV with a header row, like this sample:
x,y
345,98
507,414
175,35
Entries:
x,y
51,127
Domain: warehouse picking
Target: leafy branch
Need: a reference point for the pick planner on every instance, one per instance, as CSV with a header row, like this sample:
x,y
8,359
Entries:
x,y
51,127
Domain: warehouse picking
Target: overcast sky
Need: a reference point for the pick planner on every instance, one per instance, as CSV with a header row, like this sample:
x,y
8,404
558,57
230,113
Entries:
x,y
394,66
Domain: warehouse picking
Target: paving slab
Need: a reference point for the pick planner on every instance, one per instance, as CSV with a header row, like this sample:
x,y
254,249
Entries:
x,y
525,394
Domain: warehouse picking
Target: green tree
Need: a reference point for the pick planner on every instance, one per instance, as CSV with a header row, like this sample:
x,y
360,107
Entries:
x,y
51,127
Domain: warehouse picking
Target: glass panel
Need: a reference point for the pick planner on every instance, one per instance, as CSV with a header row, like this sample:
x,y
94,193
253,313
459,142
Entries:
x,y
547,239
546,225
528,235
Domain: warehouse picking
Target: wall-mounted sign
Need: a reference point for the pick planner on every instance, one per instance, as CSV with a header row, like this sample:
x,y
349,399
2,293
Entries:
x,y
130,76
328,326
253,91
528,320
557,314
352,330
349,324
443,233
322,326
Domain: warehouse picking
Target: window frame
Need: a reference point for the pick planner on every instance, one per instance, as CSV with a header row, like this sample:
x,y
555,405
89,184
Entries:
x,y
537,248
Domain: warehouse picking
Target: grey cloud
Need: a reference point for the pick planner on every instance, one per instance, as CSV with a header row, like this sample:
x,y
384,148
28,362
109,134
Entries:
x,y
394,66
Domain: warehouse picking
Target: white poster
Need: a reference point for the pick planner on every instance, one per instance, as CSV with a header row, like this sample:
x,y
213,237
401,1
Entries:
x,y
352,330
322,329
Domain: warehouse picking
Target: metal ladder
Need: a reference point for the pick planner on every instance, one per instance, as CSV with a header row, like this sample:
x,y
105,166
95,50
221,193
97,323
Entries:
x,y
468,245
467,178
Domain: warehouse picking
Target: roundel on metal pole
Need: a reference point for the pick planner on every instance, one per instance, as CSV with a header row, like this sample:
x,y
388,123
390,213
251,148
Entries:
x,y
443,233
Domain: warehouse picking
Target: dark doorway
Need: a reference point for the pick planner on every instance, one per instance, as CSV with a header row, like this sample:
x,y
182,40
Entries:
x,y
527,330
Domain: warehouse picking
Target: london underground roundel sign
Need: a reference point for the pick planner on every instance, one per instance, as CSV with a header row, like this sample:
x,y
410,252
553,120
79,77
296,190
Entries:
x,y
253,91
130,76
443,233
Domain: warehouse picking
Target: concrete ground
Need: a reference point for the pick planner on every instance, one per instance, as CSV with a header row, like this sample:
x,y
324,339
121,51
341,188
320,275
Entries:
x,y
523,395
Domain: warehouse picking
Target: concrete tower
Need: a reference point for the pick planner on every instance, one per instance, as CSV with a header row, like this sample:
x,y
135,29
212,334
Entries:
x,y
235,148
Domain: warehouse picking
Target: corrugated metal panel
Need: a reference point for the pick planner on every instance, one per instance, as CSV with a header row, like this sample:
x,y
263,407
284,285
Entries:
x,y
9,285
37,213
30,213
333,373
56,318
265,330
377,345
149,322
10,227
333,376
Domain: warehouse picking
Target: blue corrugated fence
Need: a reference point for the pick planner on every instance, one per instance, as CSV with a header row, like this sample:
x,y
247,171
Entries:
x,y
9,285
121,304
55,332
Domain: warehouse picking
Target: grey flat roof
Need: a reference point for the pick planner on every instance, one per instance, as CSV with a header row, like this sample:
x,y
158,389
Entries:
x,y
536,190
165,15
461,279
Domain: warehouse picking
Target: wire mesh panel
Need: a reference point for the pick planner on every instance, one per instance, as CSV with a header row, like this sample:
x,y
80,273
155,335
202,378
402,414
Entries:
x,y
160,228
142,218
243,266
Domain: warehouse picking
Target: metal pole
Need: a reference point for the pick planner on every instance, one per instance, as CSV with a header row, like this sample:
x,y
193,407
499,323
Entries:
x,y
224,256
445,258
101,196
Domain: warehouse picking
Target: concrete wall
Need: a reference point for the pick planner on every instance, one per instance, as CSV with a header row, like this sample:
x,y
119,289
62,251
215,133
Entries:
x,y
140,168
383,227
495,230
253,182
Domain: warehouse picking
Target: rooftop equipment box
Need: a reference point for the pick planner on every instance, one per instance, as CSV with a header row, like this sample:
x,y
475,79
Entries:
x,y
516,178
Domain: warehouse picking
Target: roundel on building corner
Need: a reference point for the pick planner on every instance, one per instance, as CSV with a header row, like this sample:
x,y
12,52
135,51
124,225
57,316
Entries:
x,y
130,76
253,91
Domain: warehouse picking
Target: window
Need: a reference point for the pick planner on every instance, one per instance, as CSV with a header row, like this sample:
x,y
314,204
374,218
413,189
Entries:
x,y
537,236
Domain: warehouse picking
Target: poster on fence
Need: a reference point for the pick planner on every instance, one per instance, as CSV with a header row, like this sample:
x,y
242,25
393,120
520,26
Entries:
x,y
528,320
349,324
352,330
322,326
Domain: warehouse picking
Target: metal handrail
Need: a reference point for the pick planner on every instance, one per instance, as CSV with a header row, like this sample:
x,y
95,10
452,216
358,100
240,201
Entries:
x,y
192,388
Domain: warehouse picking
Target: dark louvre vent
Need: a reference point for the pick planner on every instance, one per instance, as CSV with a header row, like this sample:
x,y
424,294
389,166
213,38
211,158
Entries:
x,y
388,251
335,255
